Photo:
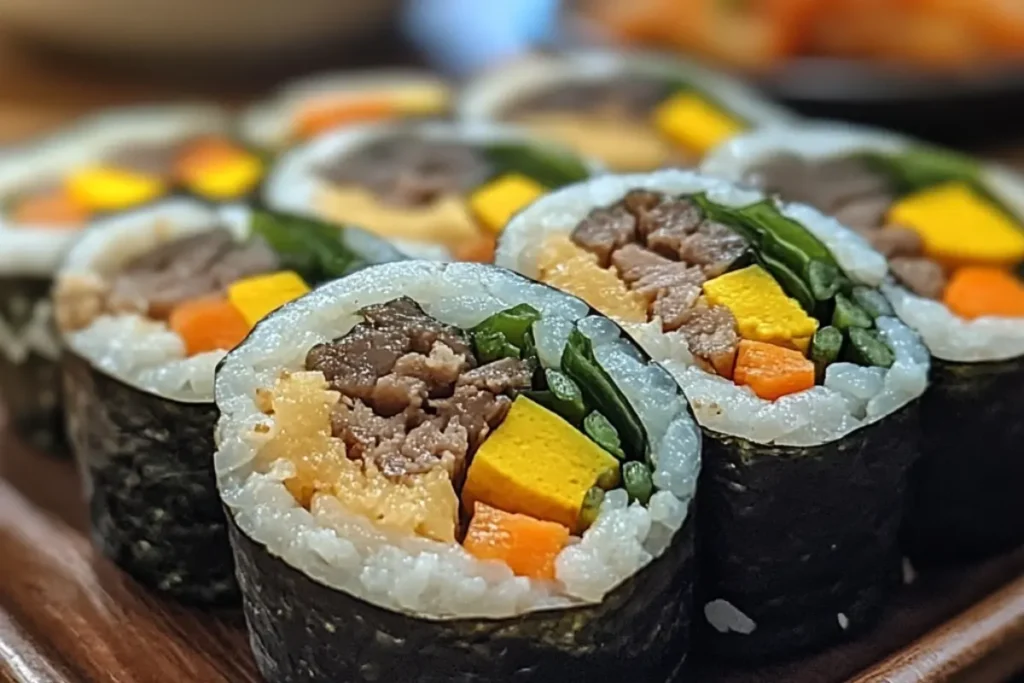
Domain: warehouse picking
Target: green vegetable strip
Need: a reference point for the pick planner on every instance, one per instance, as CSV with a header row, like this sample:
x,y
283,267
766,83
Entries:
x,y
491,346
599,390
513,323
787,231
637,479
591,507
602,432
566,397
872,301
848,314
823,279
550,169
825,347
609,479
867,348
790,282
313,249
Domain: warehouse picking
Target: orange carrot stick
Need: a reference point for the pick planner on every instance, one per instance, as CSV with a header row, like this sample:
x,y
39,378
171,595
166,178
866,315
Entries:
x,y
772,371
318,117
976,291
529,546
479,250
208,324
55,208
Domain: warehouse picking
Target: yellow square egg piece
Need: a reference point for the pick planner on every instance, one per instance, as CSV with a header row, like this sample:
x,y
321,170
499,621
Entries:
x,y
763,310
495,203
258,296
694,123
958,226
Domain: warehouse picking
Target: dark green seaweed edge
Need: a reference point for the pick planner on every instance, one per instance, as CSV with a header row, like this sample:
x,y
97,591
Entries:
x,y
302,630
151,488
23,386
965,500
795,536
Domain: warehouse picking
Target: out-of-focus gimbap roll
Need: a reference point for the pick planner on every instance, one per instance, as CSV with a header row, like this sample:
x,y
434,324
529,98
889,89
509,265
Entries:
x,y
313,105
952,230
51,189
148,303
448,472
437,190
632,112
770,318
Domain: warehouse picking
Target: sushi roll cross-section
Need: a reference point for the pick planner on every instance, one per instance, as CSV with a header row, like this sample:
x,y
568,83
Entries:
x,y
437,190
313,105
952,230
422,456
632,112
804,382
52,188
147,304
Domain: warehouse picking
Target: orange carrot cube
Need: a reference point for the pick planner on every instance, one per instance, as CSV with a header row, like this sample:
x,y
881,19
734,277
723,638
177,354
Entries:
x,y
772,371
529,546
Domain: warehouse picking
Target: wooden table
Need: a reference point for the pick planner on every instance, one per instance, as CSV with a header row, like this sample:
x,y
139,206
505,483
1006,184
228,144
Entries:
x,y
68,616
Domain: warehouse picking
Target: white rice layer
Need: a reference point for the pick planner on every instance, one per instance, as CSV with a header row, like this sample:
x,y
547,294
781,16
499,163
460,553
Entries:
x,y
293,184
851,396
144,353
412,574
947,335
269,124
491,94
38,249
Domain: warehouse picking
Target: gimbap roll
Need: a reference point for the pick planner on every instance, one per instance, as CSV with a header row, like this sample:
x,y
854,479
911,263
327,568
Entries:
x,y
448,472
51,189
804,382
308,107
441,191
630,111
148,303
952,229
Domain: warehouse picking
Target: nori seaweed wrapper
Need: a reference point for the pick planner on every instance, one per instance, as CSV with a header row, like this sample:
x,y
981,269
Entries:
x,y
30,387
147,463
796,537
965,497
302,631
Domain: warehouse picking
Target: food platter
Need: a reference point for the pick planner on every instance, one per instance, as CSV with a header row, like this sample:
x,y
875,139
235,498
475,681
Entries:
x,y
67,615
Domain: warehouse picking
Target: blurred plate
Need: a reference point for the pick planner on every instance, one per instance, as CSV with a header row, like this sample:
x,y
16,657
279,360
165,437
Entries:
x,y
951,108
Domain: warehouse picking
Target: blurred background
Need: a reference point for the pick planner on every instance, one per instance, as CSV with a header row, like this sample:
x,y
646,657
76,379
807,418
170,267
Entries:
x,y
948,70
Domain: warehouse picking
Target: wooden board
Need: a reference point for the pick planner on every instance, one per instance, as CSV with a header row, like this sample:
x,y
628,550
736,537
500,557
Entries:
x,y
67,615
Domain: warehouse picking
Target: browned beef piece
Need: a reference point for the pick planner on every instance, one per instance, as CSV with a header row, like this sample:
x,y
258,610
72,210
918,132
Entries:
x,y
394,394
429,444
500,376
641,203
405,315
864,213
674,306
438,371
713,247
354,363
710,333
654,276
895,241
411,171
921,276
478,410
187,268
361,430
674,220
630,96
156,159
605,230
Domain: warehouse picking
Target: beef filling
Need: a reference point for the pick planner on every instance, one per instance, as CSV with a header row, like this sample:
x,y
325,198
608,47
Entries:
x,y
410,171
413,394
623,97
188,268
858,197
664,249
